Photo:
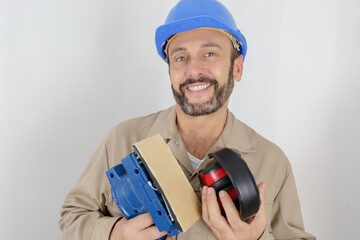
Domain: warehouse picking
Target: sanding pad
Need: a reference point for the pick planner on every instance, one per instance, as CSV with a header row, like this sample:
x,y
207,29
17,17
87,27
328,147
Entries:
x,y
171,180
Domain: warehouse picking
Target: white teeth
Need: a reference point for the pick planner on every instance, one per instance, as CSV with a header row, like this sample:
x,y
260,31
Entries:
x,y
198,87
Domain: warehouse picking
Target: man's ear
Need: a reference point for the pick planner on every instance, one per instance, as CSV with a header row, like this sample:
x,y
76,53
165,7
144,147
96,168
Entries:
x,y
238,68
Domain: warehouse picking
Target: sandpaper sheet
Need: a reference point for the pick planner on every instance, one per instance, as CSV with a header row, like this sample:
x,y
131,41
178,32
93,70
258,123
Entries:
x,y
171,179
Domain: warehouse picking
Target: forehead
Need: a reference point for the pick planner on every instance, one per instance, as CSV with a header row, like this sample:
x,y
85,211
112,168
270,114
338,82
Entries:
x,y
199,38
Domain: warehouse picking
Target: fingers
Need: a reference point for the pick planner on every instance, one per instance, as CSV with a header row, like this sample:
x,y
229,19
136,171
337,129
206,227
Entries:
x,y
232,214
204,207
205,213
261,188
143,224
141,221
139,227
212,215
151,233
233,227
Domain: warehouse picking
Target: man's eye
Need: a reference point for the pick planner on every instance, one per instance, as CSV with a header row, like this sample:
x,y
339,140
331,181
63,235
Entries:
x,y
209,54
180,59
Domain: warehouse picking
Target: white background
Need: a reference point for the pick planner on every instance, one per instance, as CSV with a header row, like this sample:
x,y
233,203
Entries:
x,y
71,70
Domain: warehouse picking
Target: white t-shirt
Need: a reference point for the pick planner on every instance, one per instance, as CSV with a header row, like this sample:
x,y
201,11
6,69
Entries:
x,y
195,162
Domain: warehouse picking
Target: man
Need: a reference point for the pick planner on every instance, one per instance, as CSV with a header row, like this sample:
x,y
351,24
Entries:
x,y
205,54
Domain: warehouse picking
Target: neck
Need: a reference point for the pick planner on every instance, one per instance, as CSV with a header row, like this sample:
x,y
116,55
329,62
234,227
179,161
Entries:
x,y
200,133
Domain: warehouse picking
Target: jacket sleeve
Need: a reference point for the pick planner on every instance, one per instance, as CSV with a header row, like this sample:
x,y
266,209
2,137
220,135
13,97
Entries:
x,y
84,214
286,219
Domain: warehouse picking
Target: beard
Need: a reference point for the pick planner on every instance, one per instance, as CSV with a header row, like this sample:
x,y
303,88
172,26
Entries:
x,y
217,100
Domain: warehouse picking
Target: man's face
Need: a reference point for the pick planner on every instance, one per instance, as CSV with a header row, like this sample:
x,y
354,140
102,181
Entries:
x,y
201,70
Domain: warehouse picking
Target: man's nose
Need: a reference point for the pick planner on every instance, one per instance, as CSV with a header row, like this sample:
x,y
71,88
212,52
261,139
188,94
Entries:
x,y
195,69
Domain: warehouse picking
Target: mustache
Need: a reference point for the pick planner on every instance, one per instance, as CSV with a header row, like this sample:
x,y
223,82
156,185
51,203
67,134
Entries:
x,y
199,80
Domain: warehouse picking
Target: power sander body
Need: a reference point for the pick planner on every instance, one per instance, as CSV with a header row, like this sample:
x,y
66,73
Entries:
x,y
135,192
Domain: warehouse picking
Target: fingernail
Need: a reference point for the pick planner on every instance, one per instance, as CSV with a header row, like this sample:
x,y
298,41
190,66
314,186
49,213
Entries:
x,y
210,191
222,194
204,189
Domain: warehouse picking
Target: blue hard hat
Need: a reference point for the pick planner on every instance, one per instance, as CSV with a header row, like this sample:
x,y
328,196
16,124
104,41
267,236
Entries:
x,y
192,14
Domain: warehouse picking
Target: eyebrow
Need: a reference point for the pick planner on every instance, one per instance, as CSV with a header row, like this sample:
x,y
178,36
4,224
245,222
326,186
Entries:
x,y
202,46
177,50
211,45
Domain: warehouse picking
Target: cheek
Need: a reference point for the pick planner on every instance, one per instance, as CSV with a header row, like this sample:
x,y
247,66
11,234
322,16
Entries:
x,y
175,78
219,69
220,74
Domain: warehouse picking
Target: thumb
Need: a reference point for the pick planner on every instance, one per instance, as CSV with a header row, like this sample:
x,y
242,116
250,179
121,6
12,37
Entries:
x,y
261,188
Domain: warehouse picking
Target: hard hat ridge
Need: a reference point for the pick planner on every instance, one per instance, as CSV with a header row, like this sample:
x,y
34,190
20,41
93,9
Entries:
x,y
192,14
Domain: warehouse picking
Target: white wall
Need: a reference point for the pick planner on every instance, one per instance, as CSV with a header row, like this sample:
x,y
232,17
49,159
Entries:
x,y
71,70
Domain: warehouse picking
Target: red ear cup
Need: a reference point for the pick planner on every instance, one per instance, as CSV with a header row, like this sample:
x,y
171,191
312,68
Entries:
x,y
213,175
229,172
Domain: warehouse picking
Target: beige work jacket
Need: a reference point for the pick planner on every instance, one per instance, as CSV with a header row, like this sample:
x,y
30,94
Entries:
x,y
89,211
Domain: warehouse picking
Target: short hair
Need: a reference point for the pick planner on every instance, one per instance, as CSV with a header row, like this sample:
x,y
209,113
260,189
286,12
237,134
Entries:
x,y
234,54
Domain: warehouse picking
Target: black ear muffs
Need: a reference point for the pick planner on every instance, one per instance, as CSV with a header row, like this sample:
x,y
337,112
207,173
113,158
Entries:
x,y
229,172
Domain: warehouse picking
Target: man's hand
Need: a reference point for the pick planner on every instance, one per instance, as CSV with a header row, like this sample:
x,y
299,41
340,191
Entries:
x,y
139,227
233,227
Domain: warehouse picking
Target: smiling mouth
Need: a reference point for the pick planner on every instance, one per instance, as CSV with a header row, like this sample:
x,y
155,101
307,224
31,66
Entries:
x,y
199,87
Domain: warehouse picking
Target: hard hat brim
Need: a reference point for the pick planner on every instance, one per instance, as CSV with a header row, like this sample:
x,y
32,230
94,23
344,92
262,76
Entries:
x,y
164,32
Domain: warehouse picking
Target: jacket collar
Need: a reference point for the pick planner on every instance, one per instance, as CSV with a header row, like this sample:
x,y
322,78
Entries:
x,y
236,135
165,124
